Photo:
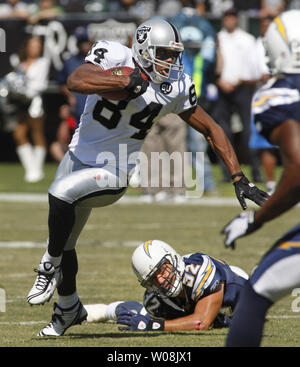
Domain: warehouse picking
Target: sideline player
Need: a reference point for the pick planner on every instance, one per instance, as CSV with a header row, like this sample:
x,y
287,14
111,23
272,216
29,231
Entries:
x,y
276,110
93,172
191,292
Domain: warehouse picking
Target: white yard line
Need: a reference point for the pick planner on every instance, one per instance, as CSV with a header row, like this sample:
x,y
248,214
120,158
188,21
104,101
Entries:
x,y
22,244
20,197
127,199
23,323
28,244
29,323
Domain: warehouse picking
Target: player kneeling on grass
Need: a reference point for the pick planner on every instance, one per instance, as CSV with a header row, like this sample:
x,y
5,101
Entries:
x,y
193,292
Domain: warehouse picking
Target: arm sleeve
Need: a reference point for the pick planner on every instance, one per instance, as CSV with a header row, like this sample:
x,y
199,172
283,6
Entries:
x,y
107,54
187,95
206,280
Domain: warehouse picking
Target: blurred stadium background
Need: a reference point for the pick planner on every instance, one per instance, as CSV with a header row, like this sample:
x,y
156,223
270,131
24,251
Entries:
x,y
60,43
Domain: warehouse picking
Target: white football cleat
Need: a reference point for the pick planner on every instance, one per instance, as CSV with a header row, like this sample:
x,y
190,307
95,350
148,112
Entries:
x,y
96,312
46,282
62,319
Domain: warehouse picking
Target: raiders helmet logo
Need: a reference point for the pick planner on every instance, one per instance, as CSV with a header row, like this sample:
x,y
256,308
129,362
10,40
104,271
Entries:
x,y
142,33
166,87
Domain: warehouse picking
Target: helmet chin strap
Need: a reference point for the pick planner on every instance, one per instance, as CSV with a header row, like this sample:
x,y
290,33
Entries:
x,y
153,75
150,70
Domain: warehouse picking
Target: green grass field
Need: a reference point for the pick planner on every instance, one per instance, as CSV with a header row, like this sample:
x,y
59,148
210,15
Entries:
x,y
104,253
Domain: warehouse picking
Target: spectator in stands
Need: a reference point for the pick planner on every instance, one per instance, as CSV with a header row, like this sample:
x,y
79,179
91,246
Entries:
x,y
199,59
140,9
218,7
71,111
95,6
168,8
33,69
47,9
15,9
235,89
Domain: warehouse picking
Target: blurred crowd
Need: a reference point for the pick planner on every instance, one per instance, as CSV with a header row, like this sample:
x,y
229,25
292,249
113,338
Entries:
x,y
227,64
35,10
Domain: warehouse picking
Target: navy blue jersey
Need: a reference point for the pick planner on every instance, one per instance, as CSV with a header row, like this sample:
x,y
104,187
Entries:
x,y
203,276
275,102
278,271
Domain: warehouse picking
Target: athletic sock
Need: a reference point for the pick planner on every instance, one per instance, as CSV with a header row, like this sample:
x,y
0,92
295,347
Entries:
x,y
39,153
66,302
25,154
54,260
69,268
60,221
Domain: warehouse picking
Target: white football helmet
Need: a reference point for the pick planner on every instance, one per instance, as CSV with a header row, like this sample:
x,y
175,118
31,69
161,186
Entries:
x,y
282,43
149,257
151,36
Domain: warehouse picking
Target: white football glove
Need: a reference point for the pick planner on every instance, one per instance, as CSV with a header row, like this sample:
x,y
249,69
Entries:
x,y
240,226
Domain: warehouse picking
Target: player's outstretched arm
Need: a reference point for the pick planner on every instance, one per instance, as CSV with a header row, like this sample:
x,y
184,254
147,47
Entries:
x,y
216,137
205,312
204,315
202,122
287,193
88,79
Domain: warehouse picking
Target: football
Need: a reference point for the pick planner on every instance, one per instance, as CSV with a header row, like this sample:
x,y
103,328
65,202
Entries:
x,y
118,71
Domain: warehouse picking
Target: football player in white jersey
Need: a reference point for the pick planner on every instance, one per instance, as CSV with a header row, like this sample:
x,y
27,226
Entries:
x,y
95,171
276,109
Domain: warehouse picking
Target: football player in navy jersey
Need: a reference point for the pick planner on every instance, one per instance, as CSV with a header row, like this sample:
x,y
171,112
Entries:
x,y
276,109
96,169
193,292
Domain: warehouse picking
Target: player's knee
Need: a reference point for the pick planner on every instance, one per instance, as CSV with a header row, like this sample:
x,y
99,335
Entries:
x,y
63,189
61,211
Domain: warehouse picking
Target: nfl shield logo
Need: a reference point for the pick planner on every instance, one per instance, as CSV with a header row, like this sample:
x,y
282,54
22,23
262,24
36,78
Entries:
x,y
142,33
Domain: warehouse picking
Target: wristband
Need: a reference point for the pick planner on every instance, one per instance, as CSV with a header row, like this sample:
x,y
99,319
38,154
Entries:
x,y
238,174
156,325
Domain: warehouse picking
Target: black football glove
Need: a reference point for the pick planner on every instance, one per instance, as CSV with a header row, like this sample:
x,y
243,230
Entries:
x,y
239,226
137,84
138,322
245,189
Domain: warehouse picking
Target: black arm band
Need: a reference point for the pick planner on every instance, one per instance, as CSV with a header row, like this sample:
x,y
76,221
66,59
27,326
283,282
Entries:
x,y
157,325
238,174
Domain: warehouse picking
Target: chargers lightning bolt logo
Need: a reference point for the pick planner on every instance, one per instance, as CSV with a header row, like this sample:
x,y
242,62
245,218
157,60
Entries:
x,y
146,247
